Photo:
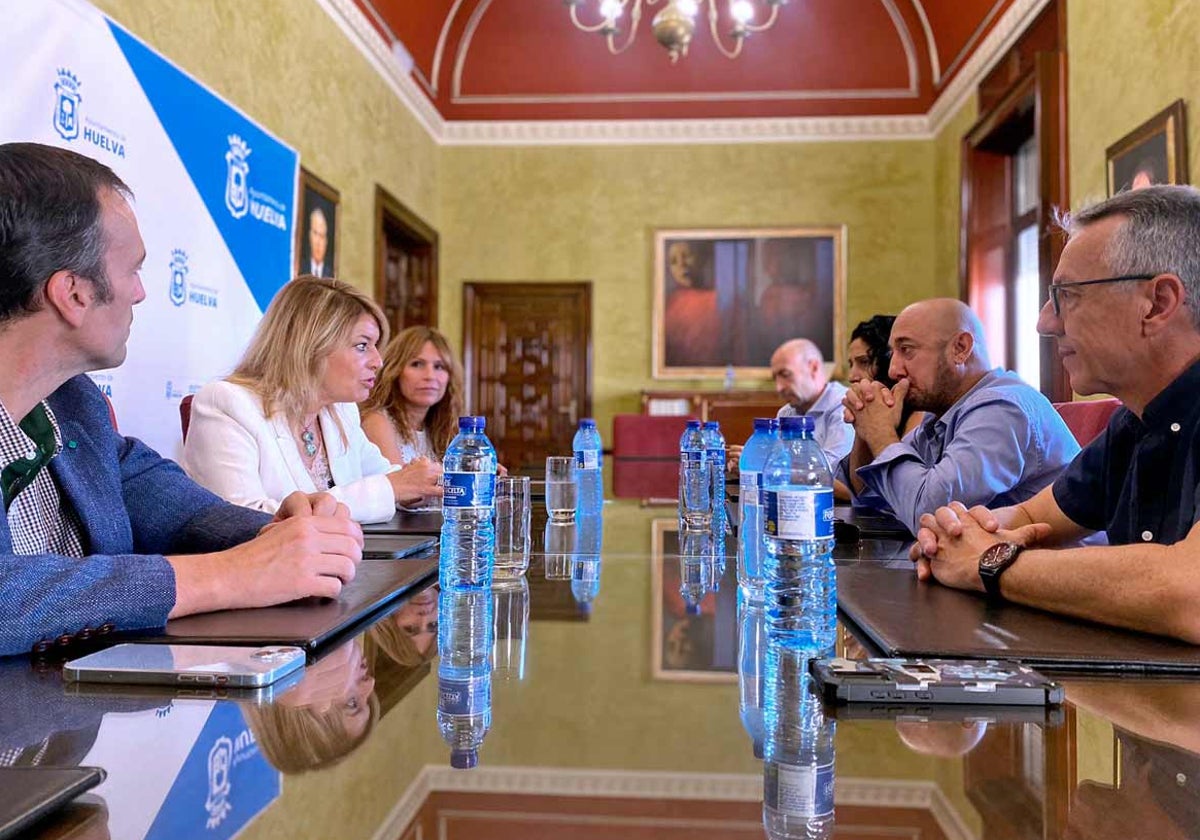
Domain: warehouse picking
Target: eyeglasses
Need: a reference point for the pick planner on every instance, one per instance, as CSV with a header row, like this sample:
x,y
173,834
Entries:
x,y
1055,288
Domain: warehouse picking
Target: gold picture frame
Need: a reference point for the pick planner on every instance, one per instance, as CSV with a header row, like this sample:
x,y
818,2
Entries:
x,y
686,648
1153,153
727,297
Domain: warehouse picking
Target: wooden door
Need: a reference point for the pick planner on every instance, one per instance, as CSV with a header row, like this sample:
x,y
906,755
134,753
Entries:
x,y
406,265
527,354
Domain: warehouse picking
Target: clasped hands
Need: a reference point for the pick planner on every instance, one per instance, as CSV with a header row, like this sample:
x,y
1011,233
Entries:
x,y
950,541
875,411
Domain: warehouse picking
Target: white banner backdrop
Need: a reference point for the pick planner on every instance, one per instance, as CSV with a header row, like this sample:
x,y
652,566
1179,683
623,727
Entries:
x,y
214,195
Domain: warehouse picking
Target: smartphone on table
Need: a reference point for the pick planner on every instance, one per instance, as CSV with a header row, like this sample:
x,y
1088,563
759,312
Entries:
x,y
187,665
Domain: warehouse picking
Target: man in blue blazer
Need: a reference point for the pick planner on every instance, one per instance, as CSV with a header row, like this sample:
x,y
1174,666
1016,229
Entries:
x,y
100,532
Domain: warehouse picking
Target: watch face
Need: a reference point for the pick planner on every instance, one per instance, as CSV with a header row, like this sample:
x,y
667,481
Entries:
x,y
998,555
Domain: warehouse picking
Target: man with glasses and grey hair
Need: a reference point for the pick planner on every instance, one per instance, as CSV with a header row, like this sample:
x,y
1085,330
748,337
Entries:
x,y
1124,310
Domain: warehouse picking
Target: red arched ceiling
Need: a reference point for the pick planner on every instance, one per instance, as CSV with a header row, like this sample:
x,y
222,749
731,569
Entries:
x,y
524,60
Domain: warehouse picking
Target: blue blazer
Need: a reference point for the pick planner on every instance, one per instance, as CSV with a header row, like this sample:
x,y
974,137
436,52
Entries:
x,y
134,507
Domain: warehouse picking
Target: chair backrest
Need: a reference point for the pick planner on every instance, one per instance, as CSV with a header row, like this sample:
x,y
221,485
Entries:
x,y
185,414
112,413
1087,418
647,435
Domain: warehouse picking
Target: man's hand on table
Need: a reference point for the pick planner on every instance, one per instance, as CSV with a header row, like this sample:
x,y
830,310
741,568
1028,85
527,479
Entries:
x,y
950,541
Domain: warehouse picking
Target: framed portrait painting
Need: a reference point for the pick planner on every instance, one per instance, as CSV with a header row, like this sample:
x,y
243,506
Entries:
x,y
729,297
316,227
1153,153
694,622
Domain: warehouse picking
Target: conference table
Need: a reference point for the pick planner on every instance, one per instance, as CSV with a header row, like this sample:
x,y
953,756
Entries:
x,y
618,719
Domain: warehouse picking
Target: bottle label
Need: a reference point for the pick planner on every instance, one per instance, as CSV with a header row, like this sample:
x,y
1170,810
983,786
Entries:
x,y
798,513
692,459
471,696
749,484
587,459
800,791
468,490
717,456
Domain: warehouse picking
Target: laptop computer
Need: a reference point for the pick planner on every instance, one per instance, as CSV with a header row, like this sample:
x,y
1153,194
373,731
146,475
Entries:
x,y
424,521
27,794
309,623
395,546
903,617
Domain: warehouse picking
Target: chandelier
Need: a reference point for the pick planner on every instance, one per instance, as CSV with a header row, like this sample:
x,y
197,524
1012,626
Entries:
x,y
675,22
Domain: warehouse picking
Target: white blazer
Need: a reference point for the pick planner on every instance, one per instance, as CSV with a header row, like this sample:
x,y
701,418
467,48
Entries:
x,y
250,459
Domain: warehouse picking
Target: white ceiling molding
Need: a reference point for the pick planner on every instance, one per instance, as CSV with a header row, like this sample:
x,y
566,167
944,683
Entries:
x,y
358,28
935,66
561,781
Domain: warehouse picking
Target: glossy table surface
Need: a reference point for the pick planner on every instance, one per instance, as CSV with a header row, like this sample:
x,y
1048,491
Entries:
x,y
622,720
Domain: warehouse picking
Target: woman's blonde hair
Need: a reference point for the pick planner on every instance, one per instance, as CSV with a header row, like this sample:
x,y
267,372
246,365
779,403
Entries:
x,y
307,320
401,648
299,739
441,422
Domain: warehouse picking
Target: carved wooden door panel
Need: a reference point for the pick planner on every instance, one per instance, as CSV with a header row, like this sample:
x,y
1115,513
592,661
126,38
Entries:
x,y
406,271
527,351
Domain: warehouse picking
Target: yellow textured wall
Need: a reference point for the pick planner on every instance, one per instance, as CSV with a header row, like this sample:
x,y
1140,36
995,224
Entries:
x,y
288,66
1126,62
948,196
589,213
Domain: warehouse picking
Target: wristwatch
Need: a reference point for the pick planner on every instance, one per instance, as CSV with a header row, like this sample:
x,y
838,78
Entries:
x,y
992,563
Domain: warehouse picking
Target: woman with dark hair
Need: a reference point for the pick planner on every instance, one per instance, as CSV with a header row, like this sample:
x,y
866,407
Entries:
x,y
870,355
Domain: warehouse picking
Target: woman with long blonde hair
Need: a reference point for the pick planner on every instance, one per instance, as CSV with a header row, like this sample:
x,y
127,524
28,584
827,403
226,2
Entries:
x,y
287,418
413,411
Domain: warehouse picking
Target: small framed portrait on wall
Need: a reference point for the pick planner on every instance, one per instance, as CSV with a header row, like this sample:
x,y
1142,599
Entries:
x,y
1153,153
317,227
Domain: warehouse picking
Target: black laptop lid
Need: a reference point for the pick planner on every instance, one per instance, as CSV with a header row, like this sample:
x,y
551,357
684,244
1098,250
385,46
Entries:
x,y
308,623
904,617
27,794
425,521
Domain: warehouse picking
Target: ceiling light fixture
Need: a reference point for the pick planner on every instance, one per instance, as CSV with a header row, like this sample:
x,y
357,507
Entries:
x,y
675,22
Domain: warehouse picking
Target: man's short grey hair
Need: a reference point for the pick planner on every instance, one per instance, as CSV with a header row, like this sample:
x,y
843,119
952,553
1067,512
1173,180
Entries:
x,y
1161,234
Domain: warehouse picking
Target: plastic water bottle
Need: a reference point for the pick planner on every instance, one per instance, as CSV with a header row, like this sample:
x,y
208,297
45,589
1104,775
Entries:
x,y
589,459
714,452
750,535
752,648
798,752
585,568
801,588
695,484
697,569
464,712
469,501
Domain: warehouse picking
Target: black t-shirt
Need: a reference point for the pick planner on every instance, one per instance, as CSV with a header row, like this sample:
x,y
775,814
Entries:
x,y
1139,480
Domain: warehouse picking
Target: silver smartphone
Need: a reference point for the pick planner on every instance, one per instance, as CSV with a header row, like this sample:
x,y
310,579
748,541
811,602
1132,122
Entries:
x,y
186,665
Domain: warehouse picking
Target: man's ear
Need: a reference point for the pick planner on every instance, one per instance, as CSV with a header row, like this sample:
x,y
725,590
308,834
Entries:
x,y
962,347
1166,295
70,295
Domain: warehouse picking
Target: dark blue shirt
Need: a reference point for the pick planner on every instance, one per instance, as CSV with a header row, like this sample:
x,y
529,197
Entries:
x,y
1139,480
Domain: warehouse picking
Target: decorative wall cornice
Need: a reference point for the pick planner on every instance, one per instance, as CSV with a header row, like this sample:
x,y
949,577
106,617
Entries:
x,y
556,781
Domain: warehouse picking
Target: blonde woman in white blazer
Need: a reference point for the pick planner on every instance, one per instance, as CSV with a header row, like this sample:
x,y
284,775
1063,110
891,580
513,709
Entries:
x,y
287,419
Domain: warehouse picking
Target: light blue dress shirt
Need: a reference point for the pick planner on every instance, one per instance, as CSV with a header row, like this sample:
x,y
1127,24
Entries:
x,y
998,445
831,431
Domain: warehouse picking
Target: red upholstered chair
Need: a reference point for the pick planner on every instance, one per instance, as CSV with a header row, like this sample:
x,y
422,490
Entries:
x,y
646,456
185,414
1087,418
112,412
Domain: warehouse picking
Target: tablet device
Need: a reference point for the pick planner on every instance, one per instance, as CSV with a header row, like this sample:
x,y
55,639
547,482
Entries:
x,y
27,794
188,665
993,682
394,546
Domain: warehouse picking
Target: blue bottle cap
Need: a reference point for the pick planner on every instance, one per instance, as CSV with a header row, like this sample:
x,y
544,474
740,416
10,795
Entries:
x,y
587,423
464,759
803,423
693,424
691,609
774,425
763,424
472,424
711,425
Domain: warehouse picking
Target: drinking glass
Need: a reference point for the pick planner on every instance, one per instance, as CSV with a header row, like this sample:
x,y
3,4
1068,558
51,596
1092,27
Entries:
x,y
512,525
562,492
560,549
